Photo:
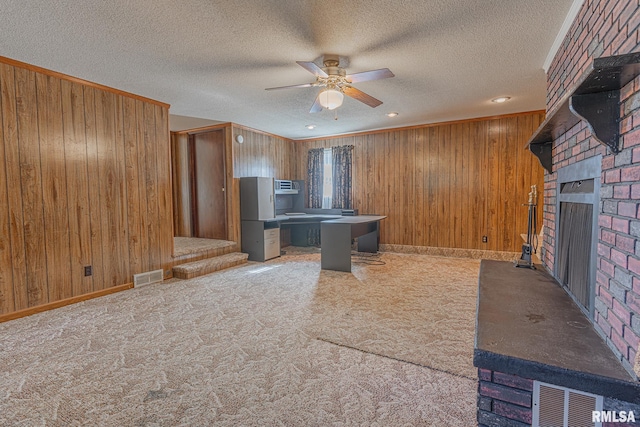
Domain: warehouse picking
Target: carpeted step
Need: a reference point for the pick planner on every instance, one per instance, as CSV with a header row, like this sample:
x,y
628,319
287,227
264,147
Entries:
x,y
209,265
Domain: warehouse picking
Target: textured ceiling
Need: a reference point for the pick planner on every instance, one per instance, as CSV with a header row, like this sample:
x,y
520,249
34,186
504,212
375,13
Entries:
x,y
213,59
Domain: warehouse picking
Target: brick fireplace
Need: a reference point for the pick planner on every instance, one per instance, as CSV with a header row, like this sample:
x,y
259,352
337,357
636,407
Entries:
x,y
603,28
535,350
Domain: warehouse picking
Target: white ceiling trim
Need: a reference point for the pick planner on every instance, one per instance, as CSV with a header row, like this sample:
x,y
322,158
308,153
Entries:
x,y
566,25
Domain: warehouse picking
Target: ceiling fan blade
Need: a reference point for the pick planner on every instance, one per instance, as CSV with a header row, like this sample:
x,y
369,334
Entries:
x,y
312,68
290,87
316,107
361,96
383,73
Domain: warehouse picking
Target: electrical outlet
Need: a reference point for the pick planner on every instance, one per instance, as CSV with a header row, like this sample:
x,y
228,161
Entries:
x,y
484,239
88,270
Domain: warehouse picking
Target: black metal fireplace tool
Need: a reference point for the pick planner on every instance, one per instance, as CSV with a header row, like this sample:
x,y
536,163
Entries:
x,y
531,246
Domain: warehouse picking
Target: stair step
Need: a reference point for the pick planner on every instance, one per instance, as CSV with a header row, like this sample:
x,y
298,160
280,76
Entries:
x,y
190,247
209,265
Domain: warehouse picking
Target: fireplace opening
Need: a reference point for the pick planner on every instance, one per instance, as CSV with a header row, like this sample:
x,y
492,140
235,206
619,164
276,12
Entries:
x,y
576,228
575,241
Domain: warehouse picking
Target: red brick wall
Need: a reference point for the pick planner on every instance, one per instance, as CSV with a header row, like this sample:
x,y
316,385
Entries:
x,y
604,28
503,399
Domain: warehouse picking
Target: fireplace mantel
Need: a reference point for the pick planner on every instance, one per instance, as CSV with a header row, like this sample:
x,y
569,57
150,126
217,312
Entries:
x,y
595,98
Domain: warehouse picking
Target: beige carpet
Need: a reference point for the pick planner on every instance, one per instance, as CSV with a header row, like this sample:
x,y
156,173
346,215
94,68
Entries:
x,y
417,309
234,348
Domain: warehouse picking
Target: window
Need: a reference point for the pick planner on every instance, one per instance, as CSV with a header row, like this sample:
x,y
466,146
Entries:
x,y
327,183
329,177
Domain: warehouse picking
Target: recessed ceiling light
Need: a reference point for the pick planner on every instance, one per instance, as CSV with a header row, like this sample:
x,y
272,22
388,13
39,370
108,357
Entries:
x,y
310,127
393,114
501,99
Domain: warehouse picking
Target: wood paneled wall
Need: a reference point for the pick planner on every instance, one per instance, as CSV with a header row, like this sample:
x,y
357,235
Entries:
x,y
84,181
444,185
261,154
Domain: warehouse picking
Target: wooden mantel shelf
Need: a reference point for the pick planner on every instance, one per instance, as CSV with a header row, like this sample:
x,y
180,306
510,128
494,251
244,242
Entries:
x,y
595,98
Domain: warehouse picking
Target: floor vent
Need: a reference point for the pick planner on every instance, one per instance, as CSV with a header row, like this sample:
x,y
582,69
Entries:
x,y
147,278
555,406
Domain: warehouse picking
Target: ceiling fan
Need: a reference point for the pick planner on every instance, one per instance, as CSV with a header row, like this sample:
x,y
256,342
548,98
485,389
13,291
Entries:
x,y
336,83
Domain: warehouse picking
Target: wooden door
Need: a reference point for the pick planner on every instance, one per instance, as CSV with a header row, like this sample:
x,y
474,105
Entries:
x,y
208,185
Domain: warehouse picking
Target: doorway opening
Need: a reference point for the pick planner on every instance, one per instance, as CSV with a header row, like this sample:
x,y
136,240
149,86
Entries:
x,y
200,183
208,185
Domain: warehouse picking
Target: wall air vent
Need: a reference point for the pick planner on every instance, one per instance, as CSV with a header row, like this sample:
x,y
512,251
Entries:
x,y
147,278
555,406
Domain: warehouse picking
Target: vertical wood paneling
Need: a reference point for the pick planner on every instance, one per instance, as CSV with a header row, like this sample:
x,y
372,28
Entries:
x,y
523,172
466,203
163,183
7,301
369,176
478,184
492,169
420,192
121,229
405,186
509,236
54,186
84,181
77,186
14,188
444,181
456,178
432,185
95,201
443,185
132,182
142,137
151,175
111,179
31,185
390,184
380,183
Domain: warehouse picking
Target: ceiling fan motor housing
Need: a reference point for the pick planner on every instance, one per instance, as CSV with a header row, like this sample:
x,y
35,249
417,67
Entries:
x,y
332,66
335,71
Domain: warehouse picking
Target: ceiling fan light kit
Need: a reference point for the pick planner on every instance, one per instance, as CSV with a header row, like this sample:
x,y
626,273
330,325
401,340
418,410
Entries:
x,y
336,83
330,99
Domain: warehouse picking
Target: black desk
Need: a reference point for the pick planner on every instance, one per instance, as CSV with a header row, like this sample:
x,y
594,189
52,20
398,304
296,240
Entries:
x,y
300,224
